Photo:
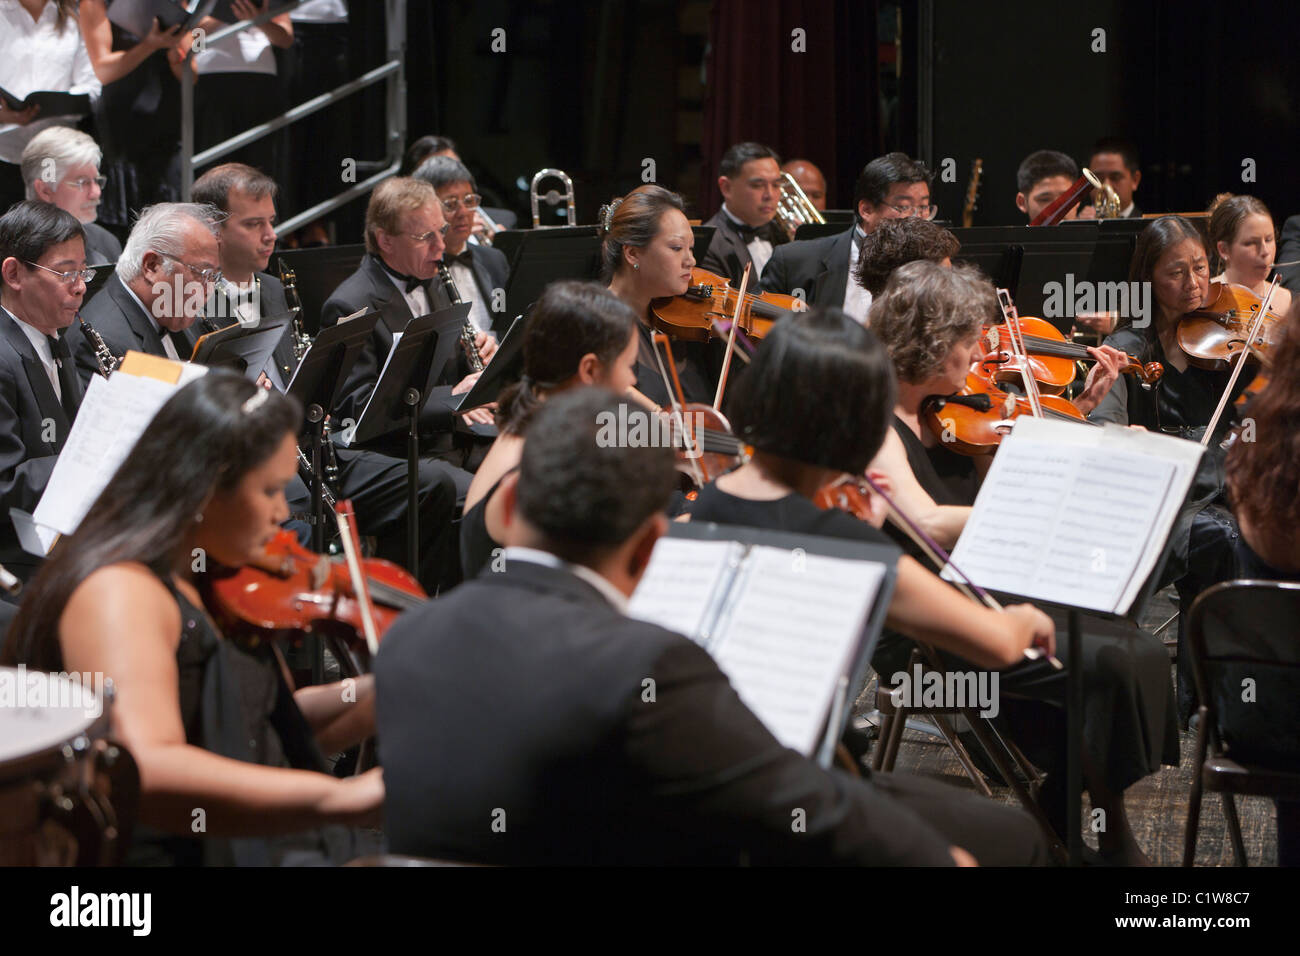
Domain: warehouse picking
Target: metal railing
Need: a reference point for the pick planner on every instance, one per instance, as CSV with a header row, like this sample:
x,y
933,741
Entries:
x,y
393,72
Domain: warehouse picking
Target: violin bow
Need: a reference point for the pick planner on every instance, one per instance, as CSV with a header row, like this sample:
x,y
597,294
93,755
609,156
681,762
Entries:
x,y
677,399
346,519
1012,319
942,558
1241,363
731,338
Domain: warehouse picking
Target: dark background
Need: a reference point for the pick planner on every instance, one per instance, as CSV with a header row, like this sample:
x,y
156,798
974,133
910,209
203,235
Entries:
x,y
595,87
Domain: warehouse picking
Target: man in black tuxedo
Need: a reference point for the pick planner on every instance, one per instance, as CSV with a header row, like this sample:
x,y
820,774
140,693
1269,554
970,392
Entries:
x,y
377,484
397,279
163,279
524,719
479,272
42,282
1288,250
61,166
892,186
746,230
1115,161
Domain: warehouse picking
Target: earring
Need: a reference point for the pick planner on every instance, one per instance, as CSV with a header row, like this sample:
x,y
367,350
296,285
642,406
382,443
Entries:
x,y
636,265
198,518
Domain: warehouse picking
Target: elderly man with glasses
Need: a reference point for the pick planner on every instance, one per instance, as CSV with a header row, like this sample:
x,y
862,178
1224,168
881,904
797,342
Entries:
x,y
61,166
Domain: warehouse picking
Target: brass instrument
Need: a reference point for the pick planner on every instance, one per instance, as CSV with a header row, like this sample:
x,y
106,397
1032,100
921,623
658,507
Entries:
x,y
553,197
794,208
467,331
489,228
106,360
1106,201
301,340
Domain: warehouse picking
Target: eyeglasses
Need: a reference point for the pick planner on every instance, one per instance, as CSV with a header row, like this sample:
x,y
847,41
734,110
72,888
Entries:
x,y
907,209
67,278
84,183
426,236
453,203
207,275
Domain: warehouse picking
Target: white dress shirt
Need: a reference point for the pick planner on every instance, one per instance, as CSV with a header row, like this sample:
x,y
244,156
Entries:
x,y
36,55
760,250
611,594
246,52
857,300
463,276
321,11
43,351
416,300
168,345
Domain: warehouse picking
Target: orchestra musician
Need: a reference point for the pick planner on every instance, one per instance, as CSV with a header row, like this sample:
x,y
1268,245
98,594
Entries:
x,y
375,483
61,166
814,405
43,279
1115,161
745,227
577,334
210,724
1244,239
810,180
1043,176
893,186
513,723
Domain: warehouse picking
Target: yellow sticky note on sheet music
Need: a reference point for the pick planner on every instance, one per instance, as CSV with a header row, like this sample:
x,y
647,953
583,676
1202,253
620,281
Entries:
x,y
144,365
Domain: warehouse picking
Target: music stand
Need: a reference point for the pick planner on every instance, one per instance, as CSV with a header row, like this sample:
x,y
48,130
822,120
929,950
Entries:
x,y
498,373
317,273
544,256
819,230
242,347
102,274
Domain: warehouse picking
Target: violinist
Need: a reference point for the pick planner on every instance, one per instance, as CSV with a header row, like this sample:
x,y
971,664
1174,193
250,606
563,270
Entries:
x,y
802,439
212,726
1245,241
647,254
896,242
578,334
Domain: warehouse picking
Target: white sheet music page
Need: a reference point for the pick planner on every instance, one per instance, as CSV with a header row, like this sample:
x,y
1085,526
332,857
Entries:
x,y
681,586
789,631
113,415
1075,515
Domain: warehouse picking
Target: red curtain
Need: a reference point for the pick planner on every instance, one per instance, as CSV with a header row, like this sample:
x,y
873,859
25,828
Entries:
x,y
811,95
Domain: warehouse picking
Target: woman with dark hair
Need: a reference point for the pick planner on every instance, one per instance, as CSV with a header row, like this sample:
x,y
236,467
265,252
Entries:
x,y
815,404
578,334
1244,240
647,254
211,725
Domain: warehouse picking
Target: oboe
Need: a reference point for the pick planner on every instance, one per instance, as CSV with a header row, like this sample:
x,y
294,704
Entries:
x,y
467,331
105,359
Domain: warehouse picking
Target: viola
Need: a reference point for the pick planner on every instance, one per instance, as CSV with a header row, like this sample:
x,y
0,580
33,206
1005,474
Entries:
x,y
693,315
846,493
1213,335
1052,357
975,420
290,591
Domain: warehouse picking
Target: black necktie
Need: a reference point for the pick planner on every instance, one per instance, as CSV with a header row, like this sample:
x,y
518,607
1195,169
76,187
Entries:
x,y
69,384
183,347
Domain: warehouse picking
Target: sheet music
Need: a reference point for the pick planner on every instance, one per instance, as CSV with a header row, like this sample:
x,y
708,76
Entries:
x,y
1074,515
789,631
680,589
113,415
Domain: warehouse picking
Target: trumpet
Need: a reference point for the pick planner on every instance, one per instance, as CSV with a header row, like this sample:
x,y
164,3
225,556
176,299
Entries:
x,y
485,228
553,197
794,208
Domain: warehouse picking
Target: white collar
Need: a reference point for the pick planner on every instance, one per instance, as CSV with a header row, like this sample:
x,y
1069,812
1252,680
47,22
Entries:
x,y
34,335
157,326
532,555
1124,213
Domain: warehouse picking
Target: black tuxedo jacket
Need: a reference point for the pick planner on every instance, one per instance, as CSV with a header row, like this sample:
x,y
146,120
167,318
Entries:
x,y
1288,250
123,326
221,313
101,245
523,720
33,428
818,266
491,270
370,286
728,255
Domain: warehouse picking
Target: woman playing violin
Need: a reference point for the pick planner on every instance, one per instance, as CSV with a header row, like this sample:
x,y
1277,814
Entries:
x,y
815,404
1245,241
578,334
223,748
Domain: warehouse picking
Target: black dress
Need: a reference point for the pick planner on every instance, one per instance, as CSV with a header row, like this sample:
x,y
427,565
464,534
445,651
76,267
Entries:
x,y
697,363
946,476
477,546
235,703
1129,726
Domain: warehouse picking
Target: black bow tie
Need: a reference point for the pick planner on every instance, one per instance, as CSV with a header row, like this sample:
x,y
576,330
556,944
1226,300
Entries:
x,y
58,348
409,283
750,233
464,257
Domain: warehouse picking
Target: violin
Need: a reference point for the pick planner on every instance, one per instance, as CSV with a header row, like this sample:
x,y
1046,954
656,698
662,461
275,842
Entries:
x,y
1052,357
703,440
975,420
846,493
289,591
1213,335
693,315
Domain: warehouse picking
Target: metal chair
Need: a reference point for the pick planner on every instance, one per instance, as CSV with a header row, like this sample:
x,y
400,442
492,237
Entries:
x,y
1245,657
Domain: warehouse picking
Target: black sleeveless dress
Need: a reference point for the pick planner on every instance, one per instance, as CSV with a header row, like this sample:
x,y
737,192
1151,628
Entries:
x,y
477,546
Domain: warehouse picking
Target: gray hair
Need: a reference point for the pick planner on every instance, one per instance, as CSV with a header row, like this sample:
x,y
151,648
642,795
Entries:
x,y
439,171
161,229
65,147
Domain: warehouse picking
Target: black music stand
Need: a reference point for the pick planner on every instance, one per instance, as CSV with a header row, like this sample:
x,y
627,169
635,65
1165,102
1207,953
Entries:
x,y
499,372
542,256
102,274
246,349
819,230
317,273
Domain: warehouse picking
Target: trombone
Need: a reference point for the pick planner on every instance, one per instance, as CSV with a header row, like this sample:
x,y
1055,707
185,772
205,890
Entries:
x,y
553,197
794,208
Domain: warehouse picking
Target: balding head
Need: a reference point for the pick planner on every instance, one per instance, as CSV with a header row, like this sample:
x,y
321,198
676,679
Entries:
x,y
810,180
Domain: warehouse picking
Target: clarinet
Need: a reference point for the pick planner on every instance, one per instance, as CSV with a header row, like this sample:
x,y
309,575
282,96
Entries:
x,y
301,340
467,331
105,359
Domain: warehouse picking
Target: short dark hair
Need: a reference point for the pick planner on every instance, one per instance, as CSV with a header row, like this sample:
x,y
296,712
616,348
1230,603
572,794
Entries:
x,y
896,242
570,320
587,496
439,171
819,390
422,149
1114,144
31,227
882,172
1045,163
737,155
214,186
